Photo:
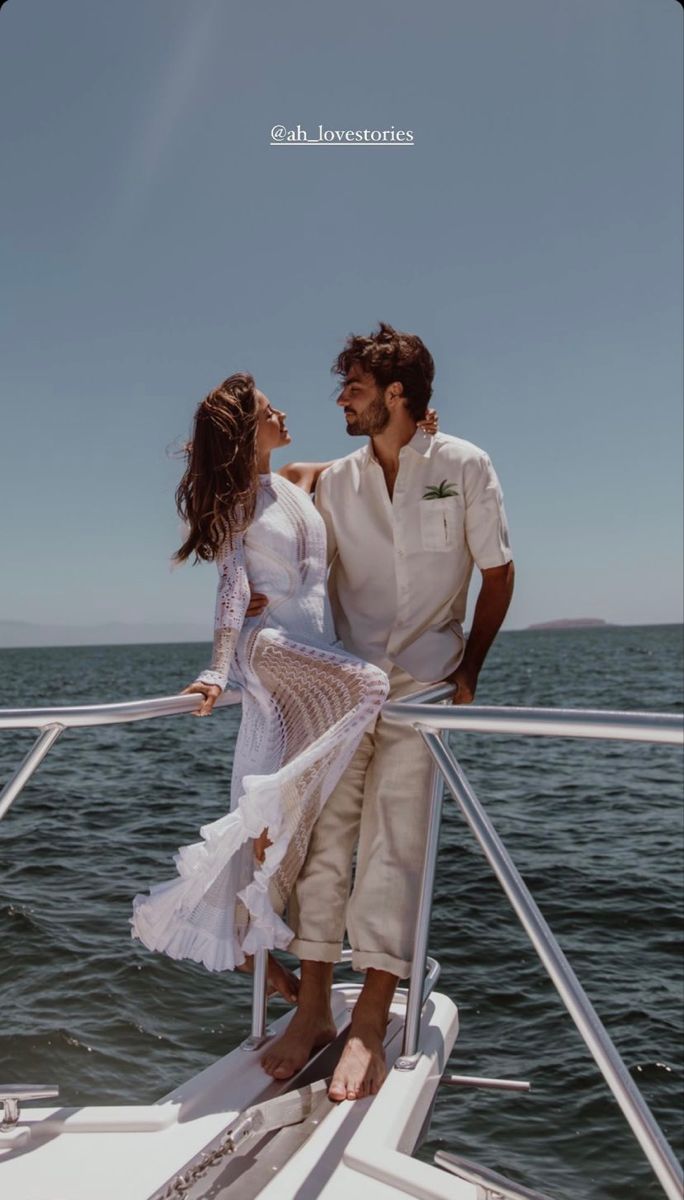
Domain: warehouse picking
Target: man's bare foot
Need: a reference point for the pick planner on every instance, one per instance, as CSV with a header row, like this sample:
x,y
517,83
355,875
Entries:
x,y
308,1031
282,981
361,1069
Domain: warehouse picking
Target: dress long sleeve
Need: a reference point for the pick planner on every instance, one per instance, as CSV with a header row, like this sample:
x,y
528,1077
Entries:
x,y
232,599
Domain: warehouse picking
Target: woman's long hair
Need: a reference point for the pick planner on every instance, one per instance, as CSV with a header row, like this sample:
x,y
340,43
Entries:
x,y
217,495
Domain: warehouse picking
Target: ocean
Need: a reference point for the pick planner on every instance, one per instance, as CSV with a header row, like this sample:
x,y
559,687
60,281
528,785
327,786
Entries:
x,y
595,829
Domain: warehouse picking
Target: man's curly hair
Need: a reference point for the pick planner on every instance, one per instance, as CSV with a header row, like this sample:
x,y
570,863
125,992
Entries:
x,y
390,357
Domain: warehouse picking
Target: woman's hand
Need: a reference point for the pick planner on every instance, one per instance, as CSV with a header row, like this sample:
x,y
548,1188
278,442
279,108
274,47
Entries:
x,y
430,423
211,693
261,845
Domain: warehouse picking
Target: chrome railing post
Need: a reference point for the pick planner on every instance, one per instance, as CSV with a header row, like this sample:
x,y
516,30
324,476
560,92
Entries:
x,y
32,760
259,993
414,1001
259,1031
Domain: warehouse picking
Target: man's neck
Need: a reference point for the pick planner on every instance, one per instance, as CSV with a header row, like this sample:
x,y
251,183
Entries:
x,y
386,445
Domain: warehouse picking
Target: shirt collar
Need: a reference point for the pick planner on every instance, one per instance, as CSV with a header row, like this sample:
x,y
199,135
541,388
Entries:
x,y
420,443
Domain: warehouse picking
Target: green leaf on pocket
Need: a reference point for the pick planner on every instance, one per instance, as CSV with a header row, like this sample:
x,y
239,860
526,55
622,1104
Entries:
x,y
440,491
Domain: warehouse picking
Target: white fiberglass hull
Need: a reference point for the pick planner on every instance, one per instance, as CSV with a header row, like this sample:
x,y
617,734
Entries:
x,y
135,1152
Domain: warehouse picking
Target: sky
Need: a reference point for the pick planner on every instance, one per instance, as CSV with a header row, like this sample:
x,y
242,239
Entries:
x,y
154,242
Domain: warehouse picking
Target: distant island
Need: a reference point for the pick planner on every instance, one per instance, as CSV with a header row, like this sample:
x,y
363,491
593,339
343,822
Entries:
x,y
572,623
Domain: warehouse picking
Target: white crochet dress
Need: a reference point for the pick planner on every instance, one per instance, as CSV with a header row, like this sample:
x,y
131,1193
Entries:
x,y
305,705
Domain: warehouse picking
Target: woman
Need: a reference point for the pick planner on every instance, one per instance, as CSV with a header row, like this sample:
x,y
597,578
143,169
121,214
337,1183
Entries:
x,y
305,701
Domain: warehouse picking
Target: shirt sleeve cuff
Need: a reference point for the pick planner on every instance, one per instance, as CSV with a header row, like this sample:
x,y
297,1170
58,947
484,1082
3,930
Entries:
x,y
213,679
497,559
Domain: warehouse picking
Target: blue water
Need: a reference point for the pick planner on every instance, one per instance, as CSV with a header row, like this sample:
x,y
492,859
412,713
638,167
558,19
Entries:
x,y
596,830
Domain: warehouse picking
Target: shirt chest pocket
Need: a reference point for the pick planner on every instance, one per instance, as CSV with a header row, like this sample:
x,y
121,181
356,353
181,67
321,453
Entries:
x,y
441,523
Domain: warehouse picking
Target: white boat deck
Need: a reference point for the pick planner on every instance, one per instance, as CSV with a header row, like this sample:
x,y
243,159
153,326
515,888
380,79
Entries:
x,y
132,1152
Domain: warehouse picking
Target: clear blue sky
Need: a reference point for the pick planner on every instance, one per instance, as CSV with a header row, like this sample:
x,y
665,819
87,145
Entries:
x,y
153,243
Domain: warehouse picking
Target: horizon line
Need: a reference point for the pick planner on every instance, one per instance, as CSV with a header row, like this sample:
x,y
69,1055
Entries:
x,y
536,627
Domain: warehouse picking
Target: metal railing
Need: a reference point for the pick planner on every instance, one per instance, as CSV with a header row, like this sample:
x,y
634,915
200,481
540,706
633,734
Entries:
x,y
496,1186
430,721
52,723
423,711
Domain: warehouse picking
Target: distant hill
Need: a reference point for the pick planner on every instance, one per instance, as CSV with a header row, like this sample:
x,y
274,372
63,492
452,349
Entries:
x,y
572,623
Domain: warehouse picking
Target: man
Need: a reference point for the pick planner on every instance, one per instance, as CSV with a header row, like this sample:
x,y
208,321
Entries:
x,y
407,516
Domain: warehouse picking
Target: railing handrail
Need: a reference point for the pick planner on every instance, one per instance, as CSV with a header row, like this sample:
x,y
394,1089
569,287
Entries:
x,y
666,728
417,709
87,715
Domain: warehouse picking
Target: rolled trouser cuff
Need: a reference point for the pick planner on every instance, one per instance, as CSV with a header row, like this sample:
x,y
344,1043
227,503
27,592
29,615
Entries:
x,y
329,952
363,959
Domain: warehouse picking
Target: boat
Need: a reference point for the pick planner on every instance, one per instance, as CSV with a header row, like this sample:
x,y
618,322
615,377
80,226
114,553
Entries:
x,y
232,1133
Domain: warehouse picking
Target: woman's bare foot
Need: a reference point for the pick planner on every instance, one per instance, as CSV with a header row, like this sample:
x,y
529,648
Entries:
x,y
282,981
361,1069
308,1031
311,1027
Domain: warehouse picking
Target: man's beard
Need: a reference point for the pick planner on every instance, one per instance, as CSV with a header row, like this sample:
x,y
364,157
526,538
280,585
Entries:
x,y
370,422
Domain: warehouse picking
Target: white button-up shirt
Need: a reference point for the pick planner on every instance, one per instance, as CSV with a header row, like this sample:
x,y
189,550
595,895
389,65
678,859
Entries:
x,y
400,567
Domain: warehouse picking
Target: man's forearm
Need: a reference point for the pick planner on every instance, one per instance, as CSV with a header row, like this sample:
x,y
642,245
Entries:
x,y
491,608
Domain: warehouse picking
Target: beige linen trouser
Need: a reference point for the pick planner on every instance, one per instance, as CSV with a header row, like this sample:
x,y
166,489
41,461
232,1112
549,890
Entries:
x,y
382,801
